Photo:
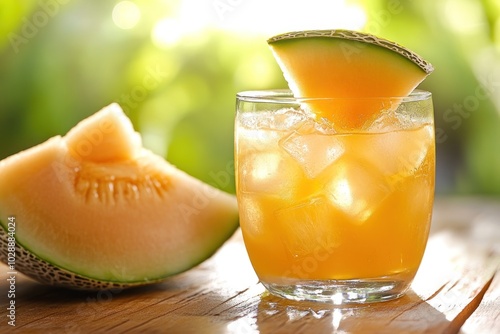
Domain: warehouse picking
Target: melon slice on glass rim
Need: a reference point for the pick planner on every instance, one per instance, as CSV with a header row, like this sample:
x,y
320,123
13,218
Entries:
x,y
359,73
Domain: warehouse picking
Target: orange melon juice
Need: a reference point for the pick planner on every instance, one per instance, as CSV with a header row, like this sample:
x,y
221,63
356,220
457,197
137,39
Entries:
x,y
318,204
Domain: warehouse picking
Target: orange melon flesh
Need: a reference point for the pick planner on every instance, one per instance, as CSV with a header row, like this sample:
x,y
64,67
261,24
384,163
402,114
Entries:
x,y
106,136
363,73
98,204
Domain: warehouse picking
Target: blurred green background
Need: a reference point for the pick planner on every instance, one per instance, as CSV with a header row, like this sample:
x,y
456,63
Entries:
x,y
175,67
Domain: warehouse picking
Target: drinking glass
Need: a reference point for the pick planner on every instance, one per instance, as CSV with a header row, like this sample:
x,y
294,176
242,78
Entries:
x,y
329,211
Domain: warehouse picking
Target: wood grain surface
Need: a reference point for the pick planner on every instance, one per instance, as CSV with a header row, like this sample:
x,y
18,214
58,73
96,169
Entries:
x,y
457,290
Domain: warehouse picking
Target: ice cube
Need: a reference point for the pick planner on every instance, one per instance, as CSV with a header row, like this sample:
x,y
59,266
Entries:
x,y
385,121
313,151
282,119
252,215
288,119
394,116
397,152
356,188
325,126
255,140
268,173
261,131
308,227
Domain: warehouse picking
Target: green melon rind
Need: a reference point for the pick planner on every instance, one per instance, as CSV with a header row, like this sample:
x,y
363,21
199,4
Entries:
x,y
48,273
356,36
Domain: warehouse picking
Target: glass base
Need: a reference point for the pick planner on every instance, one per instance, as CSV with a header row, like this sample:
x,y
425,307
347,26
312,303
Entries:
x,y
340,292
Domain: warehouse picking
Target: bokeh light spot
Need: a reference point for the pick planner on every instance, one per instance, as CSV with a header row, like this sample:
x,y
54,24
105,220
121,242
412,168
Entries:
x,y
255,71
126,15
463,16
166,32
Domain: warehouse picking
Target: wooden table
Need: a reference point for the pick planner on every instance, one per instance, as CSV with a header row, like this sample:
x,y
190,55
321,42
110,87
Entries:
x,y
457,290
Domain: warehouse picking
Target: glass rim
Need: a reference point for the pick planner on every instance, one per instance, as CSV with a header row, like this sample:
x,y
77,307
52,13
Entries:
x,y
285,96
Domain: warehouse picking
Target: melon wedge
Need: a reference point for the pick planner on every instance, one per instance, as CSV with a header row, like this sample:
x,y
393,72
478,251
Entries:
x,y
94,209
360,71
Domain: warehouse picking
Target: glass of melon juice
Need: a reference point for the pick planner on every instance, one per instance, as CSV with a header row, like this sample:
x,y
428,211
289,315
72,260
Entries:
x,y
328,212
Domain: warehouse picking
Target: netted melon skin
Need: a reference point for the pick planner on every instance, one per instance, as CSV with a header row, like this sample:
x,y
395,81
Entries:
x,y
46,273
